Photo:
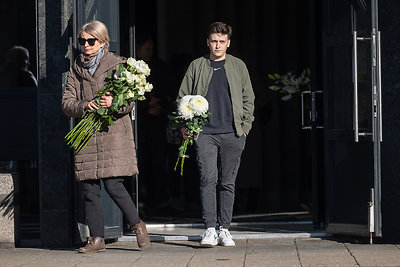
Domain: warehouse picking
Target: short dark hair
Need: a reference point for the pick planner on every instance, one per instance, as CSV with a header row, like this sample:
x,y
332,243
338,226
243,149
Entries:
x,y
220,27
18,56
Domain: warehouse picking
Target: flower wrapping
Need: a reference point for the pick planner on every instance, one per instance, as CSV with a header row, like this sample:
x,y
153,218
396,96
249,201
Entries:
x,y
192,113
126,84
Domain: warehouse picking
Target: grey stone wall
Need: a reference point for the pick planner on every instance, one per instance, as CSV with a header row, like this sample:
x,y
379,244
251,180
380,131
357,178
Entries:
x,y
7,237
54,160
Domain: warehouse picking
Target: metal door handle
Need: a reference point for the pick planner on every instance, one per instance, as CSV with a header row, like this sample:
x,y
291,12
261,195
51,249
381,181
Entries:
x,y
313,111
355,84
379,83
303,126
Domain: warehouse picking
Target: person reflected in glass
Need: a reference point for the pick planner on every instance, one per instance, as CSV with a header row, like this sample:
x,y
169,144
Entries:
x,y
16,72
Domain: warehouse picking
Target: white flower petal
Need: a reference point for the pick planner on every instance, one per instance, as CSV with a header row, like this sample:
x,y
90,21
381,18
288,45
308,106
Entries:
x,y
199,105
131,62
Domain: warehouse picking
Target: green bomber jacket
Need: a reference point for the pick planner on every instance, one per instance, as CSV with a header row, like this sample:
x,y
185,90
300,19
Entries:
x,y
197,80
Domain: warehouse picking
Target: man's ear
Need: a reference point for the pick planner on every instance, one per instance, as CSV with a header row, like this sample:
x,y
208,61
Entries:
x,y
229,43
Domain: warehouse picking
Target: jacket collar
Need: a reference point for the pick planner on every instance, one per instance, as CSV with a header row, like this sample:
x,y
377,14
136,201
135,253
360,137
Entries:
x,y
107,62
227,59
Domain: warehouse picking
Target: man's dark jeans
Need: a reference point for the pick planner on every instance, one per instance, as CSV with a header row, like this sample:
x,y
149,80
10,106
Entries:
x,y
218,156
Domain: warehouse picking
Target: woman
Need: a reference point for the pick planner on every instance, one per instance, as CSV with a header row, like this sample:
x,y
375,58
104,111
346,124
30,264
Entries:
x,y
110,154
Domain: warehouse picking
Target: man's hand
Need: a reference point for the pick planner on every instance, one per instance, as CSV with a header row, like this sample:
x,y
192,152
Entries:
x,y
185,133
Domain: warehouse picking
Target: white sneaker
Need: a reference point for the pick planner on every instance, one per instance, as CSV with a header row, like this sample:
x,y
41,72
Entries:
x,y
209,238
225,238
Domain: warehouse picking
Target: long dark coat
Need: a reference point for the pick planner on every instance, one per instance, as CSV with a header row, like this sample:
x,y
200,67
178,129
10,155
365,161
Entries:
x,y
109,153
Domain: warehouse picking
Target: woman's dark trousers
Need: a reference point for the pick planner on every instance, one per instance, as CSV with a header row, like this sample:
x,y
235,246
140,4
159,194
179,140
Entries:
x,y
93,207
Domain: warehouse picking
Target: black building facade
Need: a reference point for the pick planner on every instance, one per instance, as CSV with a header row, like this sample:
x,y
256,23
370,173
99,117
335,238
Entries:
x,y
296,159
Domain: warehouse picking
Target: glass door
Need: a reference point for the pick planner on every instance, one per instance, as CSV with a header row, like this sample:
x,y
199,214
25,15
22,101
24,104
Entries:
x,y
352,116
106,11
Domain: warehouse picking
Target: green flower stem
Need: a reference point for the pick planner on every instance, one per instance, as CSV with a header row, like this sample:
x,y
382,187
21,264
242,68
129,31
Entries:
x,y
78,137
182,154
93,127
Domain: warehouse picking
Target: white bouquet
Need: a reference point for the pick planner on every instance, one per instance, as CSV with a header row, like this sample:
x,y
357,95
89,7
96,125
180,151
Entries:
x,y
192,113
126,84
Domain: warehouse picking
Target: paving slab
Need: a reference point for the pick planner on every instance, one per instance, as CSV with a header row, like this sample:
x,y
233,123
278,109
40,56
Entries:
x,y
279,252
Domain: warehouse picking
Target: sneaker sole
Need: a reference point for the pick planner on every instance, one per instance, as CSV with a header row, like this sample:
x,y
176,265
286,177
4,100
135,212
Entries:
x,y
228,245
208,245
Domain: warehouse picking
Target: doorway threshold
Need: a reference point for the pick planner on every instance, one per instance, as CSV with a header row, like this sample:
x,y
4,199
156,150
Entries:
x,y
239,230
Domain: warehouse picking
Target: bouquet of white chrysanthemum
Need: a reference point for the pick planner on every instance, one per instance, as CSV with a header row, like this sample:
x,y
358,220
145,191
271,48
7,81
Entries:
x,y
126,84
192,114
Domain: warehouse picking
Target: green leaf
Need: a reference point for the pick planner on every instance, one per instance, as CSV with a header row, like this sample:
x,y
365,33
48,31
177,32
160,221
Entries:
x,y
120,100
114,107
277,76
101,110
121,68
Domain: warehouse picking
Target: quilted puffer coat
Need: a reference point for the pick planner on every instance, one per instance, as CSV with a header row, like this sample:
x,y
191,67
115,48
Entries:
x,y
109,153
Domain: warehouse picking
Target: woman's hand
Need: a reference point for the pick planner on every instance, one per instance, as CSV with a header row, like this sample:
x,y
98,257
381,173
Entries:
x,y
106,100
185,133
92,105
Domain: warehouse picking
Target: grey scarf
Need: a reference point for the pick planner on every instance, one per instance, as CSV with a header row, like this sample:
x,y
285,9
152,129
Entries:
x,y
91,62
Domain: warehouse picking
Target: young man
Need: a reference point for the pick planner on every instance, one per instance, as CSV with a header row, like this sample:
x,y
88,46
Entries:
x,y
224,81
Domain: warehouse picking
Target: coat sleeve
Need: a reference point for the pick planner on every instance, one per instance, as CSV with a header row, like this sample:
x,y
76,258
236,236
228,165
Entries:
x,y
125,110
248,101
186,87
72,106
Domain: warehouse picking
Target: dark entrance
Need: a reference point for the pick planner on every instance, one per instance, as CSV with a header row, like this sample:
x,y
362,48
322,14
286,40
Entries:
x,y
276,171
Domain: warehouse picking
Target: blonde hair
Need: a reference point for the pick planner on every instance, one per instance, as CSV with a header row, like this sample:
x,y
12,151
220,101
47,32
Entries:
x,y
98,30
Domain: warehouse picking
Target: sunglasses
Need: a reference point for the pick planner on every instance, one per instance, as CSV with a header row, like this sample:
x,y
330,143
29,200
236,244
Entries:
x,y
91,41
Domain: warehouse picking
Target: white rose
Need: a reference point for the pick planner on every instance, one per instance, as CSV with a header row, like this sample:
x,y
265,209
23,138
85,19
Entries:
x,y
141,90
141,82
199,105
136,77
131,94
129,77
142,67
131,62
148,87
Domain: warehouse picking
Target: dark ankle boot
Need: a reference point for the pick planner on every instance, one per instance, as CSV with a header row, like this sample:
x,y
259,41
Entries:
x,y
142,237
95,244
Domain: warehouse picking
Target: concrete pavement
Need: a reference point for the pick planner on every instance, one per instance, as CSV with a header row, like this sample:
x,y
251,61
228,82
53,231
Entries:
x,y
327,251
